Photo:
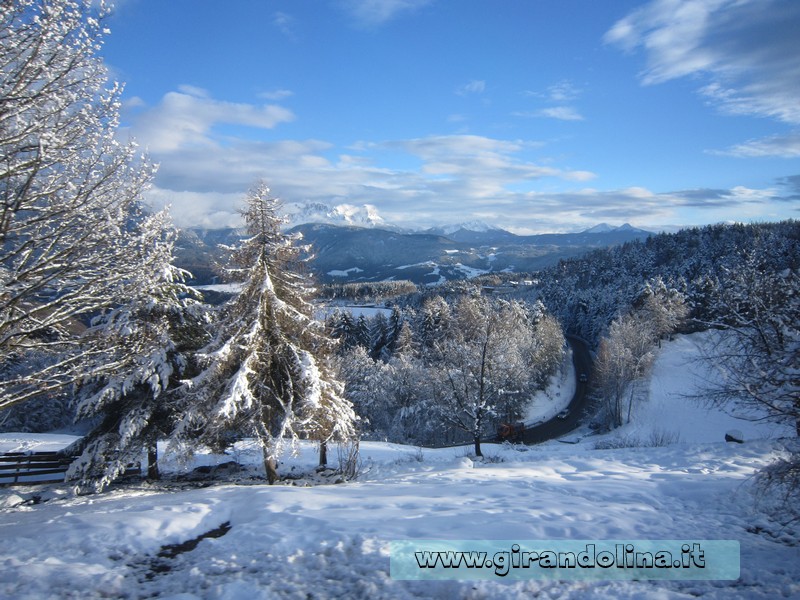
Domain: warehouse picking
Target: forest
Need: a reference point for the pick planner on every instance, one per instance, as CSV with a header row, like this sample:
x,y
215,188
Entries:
x,y
97,324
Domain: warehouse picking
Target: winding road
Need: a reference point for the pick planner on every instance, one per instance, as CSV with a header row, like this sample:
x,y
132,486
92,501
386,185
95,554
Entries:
x,y
556,427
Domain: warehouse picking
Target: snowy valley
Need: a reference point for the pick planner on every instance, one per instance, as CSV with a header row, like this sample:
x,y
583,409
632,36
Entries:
x,y
333,540
306,400
348,250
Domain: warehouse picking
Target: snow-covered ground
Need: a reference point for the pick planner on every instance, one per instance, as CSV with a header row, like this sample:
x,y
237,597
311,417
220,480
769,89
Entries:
x,y
322,312
345,272
548,403
332,541
673,403
227,288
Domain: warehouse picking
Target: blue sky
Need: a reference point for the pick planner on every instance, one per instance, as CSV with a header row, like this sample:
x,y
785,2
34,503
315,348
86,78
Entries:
x,y
530,115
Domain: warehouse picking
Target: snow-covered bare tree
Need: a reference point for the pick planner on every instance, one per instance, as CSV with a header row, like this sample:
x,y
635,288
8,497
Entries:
x,y
68,189
624,356
139,350
367,388
267,373
484,365
405,344
758,353
546,351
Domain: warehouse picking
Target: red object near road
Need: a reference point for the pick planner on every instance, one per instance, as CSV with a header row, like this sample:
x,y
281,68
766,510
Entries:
x,y
510,431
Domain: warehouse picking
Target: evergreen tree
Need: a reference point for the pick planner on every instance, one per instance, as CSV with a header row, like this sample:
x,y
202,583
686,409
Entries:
x,y
139,350
380,338
361,333
266,374
342,328
434,321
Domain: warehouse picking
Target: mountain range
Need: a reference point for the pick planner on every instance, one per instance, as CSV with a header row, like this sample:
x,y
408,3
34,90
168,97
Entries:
x,y
349,253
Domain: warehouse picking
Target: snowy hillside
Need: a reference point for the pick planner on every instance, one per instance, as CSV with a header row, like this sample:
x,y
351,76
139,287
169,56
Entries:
x,y
332,541
672,403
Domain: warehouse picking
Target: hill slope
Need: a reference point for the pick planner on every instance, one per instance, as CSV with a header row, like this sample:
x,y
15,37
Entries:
x,y
333,541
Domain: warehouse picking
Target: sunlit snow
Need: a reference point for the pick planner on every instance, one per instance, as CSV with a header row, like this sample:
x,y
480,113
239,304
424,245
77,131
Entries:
x,y
332,541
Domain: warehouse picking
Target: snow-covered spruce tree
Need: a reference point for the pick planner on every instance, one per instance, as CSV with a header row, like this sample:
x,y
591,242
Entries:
x,y
663,307
342,327
67,189
434,320
138,352
266,374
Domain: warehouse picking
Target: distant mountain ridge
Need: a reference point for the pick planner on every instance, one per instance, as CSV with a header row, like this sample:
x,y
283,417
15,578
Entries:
x,y
348,253
365,215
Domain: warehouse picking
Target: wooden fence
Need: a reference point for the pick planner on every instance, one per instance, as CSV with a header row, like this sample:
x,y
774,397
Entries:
x,y
34,468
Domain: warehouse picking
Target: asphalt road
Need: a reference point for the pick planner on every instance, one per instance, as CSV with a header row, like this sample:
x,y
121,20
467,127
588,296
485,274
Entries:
x,y
556,427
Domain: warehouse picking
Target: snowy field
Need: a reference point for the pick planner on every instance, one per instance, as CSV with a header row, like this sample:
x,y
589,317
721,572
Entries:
x,y
356,310
332,541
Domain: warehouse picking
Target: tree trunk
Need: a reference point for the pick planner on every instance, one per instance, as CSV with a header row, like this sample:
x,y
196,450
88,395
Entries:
x,y
152,462
270,466
323,454
477,440
630,403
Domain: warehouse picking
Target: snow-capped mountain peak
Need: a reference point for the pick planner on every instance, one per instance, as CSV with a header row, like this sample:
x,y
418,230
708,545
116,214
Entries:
x,y
600,228
606,228
365,215
476,226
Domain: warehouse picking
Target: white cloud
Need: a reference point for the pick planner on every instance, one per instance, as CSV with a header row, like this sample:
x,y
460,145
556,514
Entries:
x,y
185,118
133,102
412,182
473,87
563,113
782,146
747,49
193,90
563,91
571,211
559,93
213,210
374,13
276,95
285,24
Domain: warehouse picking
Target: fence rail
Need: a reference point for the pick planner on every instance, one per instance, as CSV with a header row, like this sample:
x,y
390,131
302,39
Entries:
x,y
34,468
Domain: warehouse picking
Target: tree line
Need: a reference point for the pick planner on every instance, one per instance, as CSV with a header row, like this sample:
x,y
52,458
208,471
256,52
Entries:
x,y
92,310
94,314
422,376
